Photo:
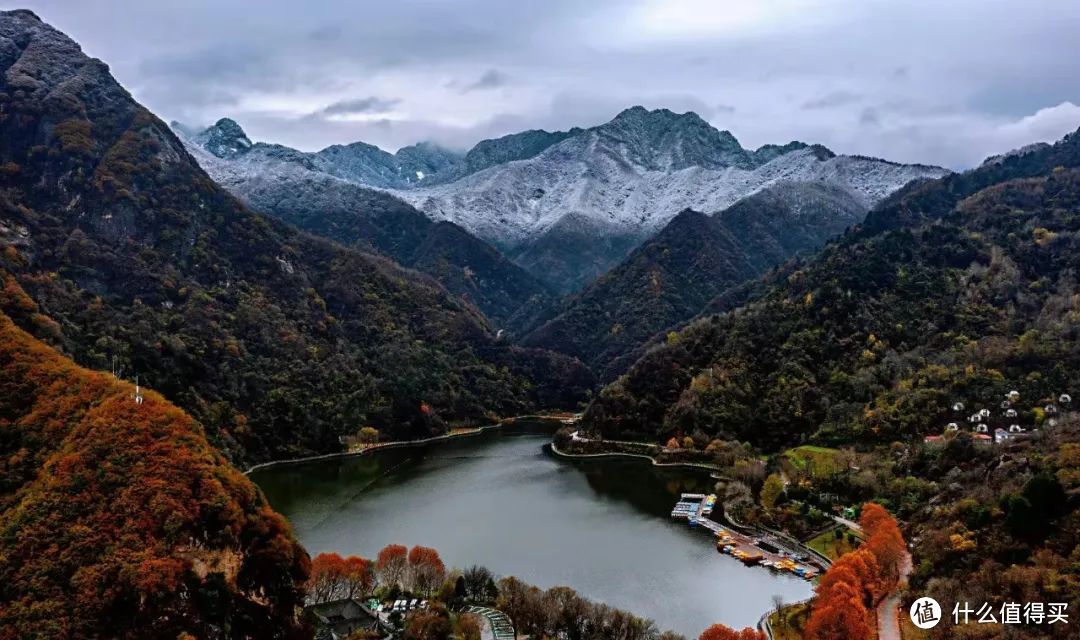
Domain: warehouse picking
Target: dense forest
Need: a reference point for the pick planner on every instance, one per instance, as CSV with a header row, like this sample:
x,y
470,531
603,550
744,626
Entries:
x,y
876,337
694,259
276,341
117,514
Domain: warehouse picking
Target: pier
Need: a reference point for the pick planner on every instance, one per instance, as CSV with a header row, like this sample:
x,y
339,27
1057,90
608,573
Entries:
x,y
696,508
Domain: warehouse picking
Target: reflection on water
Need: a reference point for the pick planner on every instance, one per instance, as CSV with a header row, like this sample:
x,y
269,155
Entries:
x,y
601,527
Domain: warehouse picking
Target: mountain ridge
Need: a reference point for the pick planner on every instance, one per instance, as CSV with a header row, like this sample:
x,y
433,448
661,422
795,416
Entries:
x,y
293,189
543,198
626,179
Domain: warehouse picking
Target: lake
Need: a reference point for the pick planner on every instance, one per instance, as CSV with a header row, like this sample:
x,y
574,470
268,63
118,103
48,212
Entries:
x,y
502,501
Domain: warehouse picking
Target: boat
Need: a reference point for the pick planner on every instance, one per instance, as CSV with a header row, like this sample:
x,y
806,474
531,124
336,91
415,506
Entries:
x,y
751,557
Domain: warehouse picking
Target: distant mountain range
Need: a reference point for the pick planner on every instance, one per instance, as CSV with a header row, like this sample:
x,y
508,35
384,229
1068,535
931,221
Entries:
x,y
565,206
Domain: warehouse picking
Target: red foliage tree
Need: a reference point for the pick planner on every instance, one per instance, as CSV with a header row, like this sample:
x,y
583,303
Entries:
x,y
335,578
721,632
884,540
838,614
872,515
857,580
359,578
392,565
426,569
327,573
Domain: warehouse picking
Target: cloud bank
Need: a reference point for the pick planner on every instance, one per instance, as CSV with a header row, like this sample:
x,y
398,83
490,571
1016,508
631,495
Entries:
x,y
944,83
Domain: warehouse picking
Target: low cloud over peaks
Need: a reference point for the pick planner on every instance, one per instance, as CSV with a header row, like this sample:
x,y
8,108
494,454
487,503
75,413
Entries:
x,y
369,105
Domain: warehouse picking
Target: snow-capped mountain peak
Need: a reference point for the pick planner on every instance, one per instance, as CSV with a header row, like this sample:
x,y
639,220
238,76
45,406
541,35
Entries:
x,y
225,139
663,140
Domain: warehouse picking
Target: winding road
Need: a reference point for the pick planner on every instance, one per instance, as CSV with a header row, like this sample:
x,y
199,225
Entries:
x,y
888,611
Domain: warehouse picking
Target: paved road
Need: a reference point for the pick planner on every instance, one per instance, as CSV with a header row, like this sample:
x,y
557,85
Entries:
x,y
847,523
888,611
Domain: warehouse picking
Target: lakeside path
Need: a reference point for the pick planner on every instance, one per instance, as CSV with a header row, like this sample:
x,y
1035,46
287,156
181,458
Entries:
x,y
400,444
888,611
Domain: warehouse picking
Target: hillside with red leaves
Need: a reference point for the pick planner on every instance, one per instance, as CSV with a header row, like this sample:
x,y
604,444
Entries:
x,y
118,519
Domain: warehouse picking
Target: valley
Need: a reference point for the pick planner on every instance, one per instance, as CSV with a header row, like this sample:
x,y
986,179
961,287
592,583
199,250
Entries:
x,y
868,366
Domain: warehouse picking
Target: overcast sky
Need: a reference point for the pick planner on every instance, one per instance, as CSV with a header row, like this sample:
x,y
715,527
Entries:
x,y
937,81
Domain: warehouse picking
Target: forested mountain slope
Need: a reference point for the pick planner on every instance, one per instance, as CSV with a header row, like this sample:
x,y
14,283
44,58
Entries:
x,y
118,519
276,341
943,296
696,257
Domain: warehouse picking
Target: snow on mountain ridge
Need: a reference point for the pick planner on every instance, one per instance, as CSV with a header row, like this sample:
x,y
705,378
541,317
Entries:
x,y
596,177
577,200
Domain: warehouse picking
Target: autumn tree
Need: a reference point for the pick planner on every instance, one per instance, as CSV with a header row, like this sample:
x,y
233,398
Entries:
x,y
872,515
771,490
359,577
426,569
433,624
335,578
367,435
468,627
721,632
884,541
838,614
392,565
327,576
858,579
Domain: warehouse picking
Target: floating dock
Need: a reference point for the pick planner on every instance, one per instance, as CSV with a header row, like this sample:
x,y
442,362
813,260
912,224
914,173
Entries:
x,y
696,508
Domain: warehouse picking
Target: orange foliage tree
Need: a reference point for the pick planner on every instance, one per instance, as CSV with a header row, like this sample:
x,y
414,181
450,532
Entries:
x,y
857,580
392,565
838,614
426,569
335,578
721,632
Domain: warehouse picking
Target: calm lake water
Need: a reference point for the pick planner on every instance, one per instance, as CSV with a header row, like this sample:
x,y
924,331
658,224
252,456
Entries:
x,y
499,500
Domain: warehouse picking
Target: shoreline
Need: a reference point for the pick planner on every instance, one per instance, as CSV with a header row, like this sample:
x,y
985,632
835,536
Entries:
x,y
763,624
712,470
395,444
696,466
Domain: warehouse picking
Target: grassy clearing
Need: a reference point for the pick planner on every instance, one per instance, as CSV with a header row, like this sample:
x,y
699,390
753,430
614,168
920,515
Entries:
x,y
827,544
819,462
788,624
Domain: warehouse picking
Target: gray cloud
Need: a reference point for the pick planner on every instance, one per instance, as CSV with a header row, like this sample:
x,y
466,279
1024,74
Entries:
x,y
947,90
832,99
492,79
372,104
